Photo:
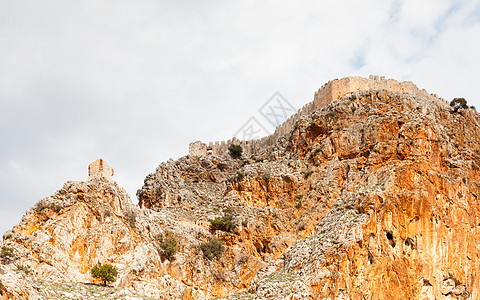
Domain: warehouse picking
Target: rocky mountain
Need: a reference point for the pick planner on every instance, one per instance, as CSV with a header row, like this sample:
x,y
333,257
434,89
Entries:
x,y
372,196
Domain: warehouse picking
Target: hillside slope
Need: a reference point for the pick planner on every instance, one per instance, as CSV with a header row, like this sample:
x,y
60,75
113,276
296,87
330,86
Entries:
x,y
374,196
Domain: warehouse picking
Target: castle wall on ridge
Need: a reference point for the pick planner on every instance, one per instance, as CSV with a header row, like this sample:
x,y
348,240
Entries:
x,y
330,91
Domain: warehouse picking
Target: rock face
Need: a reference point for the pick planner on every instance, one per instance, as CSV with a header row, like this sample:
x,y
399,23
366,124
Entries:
x,y
374,196
403,175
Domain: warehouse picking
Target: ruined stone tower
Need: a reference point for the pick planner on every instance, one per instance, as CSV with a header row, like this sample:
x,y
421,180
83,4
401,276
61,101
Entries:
x,y
100,168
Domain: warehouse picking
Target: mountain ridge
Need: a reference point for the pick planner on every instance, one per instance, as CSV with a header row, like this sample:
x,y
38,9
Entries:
x,y
374,196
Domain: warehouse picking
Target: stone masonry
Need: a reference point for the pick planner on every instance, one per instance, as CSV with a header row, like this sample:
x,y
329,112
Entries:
x,y
100,168
330,91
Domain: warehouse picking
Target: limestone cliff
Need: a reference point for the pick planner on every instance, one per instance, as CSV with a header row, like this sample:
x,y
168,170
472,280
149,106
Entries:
x,y
373,196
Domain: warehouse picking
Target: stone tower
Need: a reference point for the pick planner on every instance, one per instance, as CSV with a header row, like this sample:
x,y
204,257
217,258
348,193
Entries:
x,y
100,168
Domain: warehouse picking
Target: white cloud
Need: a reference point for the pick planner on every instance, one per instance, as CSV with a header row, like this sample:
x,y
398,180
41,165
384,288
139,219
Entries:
x,y
134,82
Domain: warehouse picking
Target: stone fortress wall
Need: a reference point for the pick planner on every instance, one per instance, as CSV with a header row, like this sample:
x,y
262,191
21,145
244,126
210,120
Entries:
x,y
330,91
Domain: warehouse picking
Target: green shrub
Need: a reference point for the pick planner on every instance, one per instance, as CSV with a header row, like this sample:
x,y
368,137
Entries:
x,y
56,207
213,249
6,252
459,103
235,150
229,210
240,175
106,273
307,173
23,268
266,176
224,223
168,247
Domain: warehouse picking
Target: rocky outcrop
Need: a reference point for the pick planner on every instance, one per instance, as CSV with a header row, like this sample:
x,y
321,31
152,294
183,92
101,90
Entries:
x,y
374,196
384,188
86,223
402,173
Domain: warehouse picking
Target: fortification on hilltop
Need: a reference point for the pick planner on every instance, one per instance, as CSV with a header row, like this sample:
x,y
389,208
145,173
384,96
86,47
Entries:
x,y
330,91
100,168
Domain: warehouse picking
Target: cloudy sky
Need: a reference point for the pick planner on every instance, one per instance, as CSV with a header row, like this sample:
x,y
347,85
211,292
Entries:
x,y
134,82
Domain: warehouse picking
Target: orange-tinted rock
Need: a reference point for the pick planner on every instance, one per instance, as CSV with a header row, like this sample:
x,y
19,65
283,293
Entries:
x,y
375,196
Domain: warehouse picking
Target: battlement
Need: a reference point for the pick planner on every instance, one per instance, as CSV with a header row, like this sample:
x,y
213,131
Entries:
x,y
99,168
330,91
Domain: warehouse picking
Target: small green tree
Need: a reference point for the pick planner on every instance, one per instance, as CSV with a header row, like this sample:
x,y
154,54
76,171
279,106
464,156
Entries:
x,y
459,103
224,223
106,273
213,249
235,150
168,247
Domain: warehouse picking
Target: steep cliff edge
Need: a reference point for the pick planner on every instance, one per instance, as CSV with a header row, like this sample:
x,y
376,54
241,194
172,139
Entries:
x,y
374,196
377,193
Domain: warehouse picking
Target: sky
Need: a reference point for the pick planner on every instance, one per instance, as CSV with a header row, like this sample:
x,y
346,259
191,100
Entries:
x,y
133,82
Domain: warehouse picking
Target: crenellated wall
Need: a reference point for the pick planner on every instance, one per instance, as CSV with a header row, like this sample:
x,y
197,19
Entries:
x,y
330,91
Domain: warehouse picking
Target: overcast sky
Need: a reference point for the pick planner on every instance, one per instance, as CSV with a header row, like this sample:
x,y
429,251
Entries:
x,y
133,82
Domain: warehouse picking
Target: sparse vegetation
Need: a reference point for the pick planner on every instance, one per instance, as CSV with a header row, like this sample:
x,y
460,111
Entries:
x,y
107,273
299,202
266,176
332,116
219,275
307,173
224,223
43,206
235,150
243,259
6,252
131,218
244,223
24,269
168,247
77,290
213,249
240,175
459,103
229,210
